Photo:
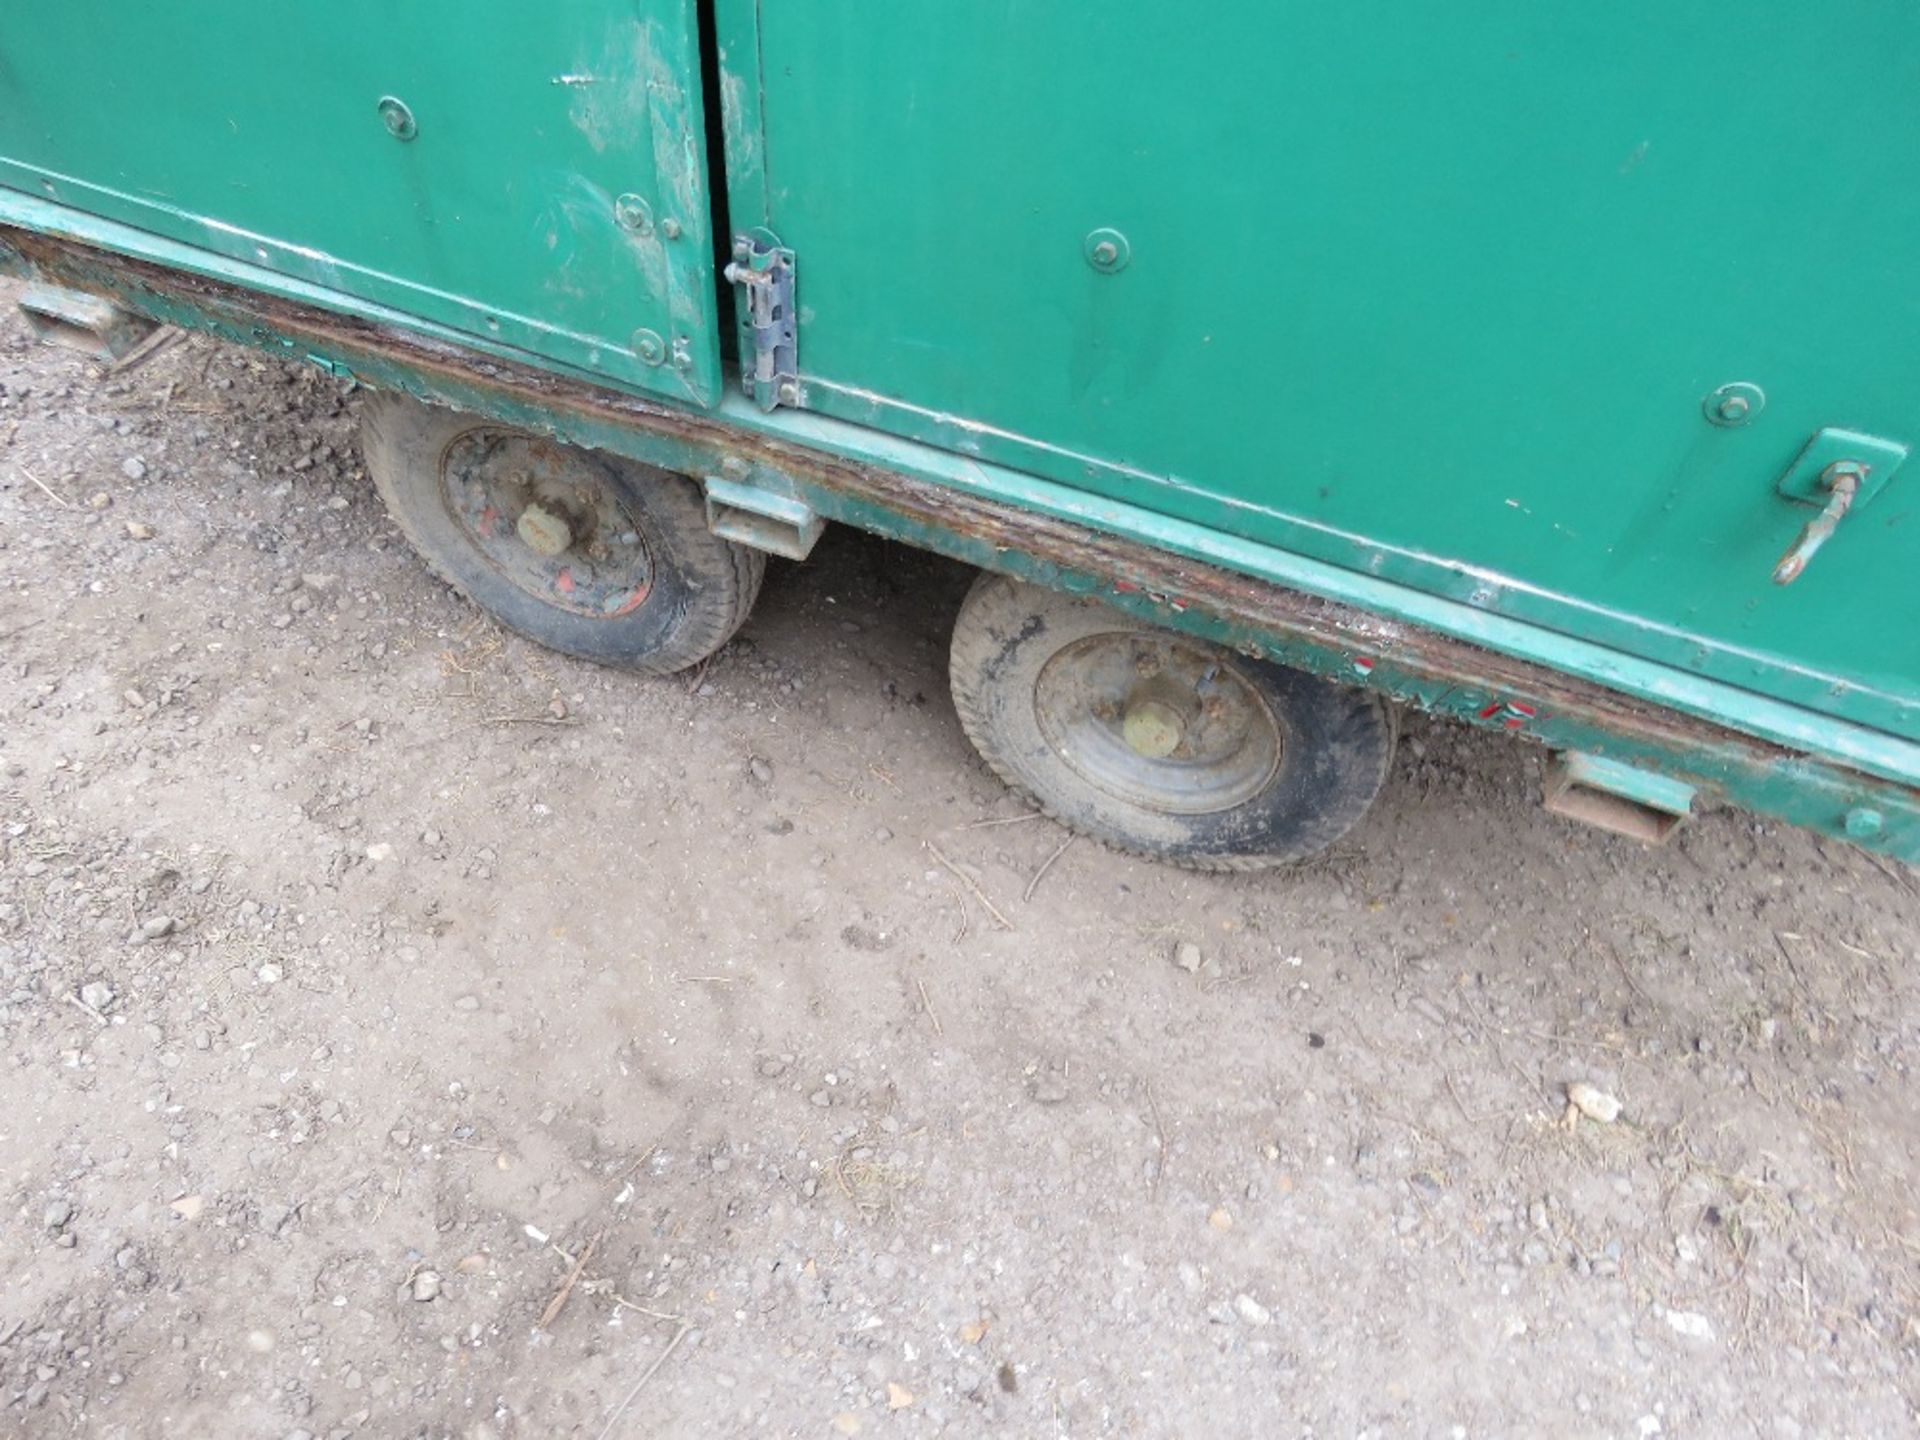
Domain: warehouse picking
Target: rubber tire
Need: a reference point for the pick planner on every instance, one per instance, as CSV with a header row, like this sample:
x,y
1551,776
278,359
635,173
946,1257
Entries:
x,y
703,587
1338,742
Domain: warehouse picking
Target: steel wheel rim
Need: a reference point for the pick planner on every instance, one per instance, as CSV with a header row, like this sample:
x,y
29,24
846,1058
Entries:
x,y
1158,722
548,520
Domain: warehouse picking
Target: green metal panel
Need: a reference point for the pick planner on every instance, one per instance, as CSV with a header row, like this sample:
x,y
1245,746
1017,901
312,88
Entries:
x,y
530,175
1442,294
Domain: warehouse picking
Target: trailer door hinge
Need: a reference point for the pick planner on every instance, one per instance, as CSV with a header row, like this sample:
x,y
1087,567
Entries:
x,y
769,356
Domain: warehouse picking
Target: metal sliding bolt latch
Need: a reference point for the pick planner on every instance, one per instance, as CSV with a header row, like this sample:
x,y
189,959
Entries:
x,y
1842,481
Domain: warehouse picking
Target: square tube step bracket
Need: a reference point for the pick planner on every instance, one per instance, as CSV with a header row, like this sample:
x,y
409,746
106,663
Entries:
x,y
759,507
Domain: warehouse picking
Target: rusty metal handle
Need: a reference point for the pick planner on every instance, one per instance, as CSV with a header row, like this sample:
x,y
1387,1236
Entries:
x,y
1842,481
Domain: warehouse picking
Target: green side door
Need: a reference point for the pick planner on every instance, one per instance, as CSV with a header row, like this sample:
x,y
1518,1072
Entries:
x,y
1533,306
531,175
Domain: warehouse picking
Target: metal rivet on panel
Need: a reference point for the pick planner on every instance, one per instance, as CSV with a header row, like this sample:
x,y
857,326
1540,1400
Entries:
x,y
1107,250
648,345
397,118
1734,404
634,213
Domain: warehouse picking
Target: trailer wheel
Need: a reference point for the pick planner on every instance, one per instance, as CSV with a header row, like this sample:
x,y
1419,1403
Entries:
x,y
589,553
1159,743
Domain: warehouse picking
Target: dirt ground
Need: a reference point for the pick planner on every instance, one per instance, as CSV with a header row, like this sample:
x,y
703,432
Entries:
x,y
409,1032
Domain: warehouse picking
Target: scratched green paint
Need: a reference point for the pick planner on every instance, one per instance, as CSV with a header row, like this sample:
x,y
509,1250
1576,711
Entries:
x,y
255,132
1427,291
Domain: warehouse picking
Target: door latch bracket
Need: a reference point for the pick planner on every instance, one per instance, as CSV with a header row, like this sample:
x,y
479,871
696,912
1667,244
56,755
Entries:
x,y
1839,471
762,275
1876,457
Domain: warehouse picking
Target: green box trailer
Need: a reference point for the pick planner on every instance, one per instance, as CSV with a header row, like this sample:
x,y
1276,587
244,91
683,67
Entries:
x,y
1550,369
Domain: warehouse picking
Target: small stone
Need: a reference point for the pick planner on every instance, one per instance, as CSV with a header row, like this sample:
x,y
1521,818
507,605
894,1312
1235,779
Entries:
x,y
270,973
320,584
401,1136
134,700
426,1286
1251,1310
557,708
57,1214
1047,1090
1187,956
139,530
99,500
1592,1102
154,926
467,1002
134,468
820,1098
760,770
379,853
772,1067
188,1207
274,1218
846,1423
1220,1220
97,995
899,1397
1690,1324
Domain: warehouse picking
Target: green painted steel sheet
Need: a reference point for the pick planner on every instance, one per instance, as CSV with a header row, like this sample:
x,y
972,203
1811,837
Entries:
x,y
1432,292
462,162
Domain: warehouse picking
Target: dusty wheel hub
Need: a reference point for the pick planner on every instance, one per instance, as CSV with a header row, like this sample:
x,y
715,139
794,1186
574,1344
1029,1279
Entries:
x,y
544,532
1158,722
549,519
1152,728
